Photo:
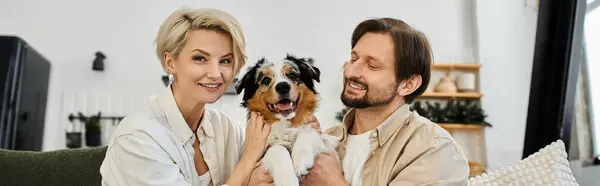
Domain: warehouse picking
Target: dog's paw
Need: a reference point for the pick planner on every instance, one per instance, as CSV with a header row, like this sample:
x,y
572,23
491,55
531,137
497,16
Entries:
x,y
303,161
331,142
279,163
304,151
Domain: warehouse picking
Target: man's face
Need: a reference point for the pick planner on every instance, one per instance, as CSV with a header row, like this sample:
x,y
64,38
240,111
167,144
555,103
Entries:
x,y
369,77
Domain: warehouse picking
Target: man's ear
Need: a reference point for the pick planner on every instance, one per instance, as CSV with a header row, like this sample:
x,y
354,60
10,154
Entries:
x,y
409,85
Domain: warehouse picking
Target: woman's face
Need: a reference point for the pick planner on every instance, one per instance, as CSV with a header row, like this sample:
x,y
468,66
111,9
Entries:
x,y
204,68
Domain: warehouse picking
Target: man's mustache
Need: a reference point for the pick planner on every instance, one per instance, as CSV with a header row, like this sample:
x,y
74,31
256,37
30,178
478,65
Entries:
x,y
357,81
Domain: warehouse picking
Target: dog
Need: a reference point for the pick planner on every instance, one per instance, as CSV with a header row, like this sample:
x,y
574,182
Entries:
x,y
284,93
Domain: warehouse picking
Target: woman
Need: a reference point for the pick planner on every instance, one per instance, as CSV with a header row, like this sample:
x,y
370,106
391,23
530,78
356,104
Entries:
x,y
175,140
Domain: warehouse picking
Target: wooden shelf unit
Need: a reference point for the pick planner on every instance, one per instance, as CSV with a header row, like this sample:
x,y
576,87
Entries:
x,y
456,66
476,167
456,126
465,95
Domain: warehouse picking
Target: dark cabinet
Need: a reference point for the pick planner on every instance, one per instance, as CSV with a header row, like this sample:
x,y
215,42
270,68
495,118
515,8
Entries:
x,y
24,76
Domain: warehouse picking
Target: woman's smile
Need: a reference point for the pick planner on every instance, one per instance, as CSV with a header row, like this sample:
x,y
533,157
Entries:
x,y
210,86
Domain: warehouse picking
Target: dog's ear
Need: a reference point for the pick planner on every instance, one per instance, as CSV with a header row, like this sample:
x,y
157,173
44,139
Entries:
x,y
316,73
308,72
248,82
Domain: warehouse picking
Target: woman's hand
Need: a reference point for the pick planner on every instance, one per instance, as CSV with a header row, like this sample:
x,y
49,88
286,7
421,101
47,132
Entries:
x,y
257,133
255,145
260,177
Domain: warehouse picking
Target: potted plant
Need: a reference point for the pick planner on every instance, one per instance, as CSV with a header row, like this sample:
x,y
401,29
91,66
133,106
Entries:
x,y
421,109
460,112
93,132
340,115
438,113
73,140
474,114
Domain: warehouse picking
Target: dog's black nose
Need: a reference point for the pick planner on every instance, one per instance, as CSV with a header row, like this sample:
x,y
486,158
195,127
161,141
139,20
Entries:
x,y
282,87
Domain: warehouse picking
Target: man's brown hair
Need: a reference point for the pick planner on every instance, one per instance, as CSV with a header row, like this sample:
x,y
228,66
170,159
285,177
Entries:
x,y
412,50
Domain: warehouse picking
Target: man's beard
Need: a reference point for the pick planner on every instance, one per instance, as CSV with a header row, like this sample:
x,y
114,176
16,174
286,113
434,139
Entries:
x,y
371,97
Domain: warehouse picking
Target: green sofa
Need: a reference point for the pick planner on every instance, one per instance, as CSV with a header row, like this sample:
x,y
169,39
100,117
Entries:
x,y
60,167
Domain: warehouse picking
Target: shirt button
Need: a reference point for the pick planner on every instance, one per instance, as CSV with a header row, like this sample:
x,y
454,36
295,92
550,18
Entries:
x,y
374,134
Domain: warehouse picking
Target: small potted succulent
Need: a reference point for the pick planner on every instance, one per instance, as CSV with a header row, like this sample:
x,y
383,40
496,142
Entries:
x,y
93,132
74,139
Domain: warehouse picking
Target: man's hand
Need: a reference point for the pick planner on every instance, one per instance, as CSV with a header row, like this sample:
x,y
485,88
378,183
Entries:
x,y
260,177
313,122
326,171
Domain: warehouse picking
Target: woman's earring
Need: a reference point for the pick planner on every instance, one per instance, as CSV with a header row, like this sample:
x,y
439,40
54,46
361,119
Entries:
x,y
171,78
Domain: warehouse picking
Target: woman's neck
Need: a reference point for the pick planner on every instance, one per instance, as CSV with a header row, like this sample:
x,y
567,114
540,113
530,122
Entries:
x,y
192,112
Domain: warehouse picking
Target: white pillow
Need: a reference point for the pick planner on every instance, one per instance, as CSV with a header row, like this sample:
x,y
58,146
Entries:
x,y
548,166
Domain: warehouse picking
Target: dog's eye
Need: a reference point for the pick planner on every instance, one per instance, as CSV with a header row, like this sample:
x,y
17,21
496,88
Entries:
x,y
265,81
293,77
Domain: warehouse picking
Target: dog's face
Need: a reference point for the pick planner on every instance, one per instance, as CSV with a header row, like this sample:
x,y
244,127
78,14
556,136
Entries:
x,y
283,90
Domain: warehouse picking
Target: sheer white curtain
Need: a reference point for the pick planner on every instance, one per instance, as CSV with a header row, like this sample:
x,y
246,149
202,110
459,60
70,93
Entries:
x,y
587,103
582,142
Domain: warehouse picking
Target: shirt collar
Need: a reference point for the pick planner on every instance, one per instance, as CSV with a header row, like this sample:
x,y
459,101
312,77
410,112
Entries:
x,y
384,130
176,120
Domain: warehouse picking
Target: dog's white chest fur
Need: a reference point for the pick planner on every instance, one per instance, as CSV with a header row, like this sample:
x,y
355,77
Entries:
x,y
292,151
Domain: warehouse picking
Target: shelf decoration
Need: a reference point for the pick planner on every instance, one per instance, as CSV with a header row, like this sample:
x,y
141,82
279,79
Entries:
x,y
340,115
93,129
74,139
445,85
465,112
98,64
465,82
455,111
454,104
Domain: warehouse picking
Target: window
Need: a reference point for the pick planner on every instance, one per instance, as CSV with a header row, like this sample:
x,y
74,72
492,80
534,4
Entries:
x,y
592,46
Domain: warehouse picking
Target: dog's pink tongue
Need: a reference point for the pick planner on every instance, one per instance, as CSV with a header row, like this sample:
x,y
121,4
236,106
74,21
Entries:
x,y
284,106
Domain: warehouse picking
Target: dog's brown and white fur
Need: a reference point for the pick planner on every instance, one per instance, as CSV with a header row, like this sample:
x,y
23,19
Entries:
x,y
284,93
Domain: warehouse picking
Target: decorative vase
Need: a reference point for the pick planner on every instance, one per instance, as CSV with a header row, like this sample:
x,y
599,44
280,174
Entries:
x,y
93,138
73,140
445,85
465,82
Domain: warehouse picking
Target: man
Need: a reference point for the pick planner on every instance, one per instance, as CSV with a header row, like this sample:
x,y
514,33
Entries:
x,y
382,142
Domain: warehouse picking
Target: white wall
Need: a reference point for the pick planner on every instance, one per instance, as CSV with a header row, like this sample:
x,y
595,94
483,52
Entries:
x,y
506,39
68,32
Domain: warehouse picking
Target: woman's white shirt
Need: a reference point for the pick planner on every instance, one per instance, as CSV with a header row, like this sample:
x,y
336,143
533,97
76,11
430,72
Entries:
x,y
153,146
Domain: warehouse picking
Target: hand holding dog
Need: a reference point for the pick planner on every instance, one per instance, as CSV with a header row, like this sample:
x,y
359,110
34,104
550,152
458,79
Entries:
x,y
257,133
255,145
313,122
260,177
326,171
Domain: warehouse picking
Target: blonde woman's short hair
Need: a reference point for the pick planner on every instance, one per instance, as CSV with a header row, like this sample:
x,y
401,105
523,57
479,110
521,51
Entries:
x,y
172,33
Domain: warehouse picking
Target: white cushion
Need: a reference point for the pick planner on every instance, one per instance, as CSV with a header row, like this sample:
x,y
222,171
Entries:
x,y
548,166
